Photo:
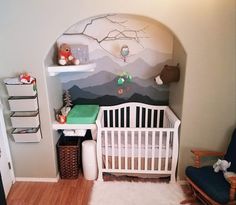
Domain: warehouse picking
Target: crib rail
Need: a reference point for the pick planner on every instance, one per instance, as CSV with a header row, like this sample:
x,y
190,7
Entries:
x,y
143,115
137,138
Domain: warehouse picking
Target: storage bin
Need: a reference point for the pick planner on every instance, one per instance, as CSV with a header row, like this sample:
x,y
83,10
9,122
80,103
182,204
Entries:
x,y
25,119
21,89
26,135
68,155
23,103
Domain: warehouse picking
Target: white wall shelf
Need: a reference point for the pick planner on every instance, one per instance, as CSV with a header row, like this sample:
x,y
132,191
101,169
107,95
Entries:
x,y
58,126
55,69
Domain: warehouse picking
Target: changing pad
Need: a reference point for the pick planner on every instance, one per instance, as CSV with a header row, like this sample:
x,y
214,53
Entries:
x,y
83,114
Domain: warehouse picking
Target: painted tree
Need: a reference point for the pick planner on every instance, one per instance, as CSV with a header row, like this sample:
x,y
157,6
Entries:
x,y
117,34
67,99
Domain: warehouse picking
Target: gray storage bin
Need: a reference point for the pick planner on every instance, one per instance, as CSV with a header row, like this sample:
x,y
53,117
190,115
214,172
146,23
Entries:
x,y
26,135
21,90
23,103
25,119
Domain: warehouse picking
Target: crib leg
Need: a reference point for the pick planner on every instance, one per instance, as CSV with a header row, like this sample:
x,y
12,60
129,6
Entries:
x,y
100,176
172,178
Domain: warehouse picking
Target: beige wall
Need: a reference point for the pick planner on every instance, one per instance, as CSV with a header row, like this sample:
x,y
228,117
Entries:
x,y
206,30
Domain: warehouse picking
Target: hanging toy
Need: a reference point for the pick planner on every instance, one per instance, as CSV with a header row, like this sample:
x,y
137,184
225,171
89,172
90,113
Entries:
x,y
123,82
124,51
120,91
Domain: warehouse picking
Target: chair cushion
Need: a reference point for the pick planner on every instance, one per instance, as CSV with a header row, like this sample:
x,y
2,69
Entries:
x,y
212,183
230,155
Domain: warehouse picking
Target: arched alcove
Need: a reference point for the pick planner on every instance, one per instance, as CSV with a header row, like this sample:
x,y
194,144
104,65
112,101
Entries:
x,y
96,79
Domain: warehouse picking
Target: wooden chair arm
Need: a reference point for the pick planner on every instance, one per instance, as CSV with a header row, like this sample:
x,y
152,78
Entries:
x,y
232,181
204,153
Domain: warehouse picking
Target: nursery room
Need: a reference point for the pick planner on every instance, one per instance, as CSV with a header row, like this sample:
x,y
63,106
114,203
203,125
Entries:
x,y
118,102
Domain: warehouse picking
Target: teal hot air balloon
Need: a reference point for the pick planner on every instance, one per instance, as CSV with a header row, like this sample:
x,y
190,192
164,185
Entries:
x,y
124,51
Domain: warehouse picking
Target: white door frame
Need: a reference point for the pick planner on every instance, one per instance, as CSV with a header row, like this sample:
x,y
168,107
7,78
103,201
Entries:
x,y
6,143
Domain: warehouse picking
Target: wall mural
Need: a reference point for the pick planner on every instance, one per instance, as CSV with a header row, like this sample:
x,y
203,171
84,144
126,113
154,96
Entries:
x,y
129,51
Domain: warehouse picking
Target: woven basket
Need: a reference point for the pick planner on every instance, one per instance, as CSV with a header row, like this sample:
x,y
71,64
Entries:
x,y
68,154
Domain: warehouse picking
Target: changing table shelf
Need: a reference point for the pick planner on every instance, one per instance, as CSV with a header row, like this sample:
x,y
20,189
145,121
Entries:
x,y
58,126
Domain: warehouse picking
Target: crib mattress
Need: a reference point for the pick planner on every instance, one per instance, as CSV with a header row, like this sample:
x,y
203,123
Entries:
x,y
139,147
137,152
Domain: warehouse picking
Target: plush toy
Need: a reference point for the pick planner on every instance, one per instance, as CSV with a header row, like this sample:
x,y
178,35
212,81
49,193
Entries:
x,y
221,165
26,78
65,56
168,75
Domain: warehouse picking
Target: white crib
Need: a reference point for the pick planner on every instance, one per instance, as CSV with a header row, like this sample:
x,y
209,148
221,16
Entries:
x,y
136,138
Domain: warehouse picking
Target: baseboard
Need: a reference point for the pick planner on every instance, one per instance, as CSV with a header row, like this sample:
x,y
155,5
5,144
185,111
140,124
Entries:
x,y
31,179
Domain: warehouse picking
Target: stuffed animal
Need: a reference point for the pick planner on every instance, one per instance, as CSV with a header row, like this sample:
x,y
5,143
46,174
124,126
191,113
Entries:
x,y
168,75
65,56
221,165
26,78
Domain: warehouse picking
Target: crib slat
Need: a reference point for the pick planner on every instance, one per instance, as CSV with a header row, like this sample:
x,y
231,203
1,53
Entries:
x,y
160,150
139,150
113,118
146,117
132,156
140,117
126,154
153,148
167,150
108,118
113,150
146,149
106,151
158,118
119,150
152,118
125,117
118,117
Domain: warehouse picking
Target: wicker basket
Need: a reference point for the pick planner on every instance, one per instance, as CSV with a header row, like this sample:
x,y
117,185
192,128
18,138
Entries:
x,y
68,154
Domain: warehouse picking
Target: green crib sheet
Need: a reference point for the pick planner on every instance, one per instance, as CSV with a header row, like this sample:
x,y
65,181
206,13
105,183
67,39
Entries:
x,y
83,114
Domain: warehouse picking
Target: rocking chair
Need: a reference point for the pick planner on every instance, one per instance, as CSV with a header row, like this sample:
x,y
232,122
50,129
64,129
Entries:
x,y
211,187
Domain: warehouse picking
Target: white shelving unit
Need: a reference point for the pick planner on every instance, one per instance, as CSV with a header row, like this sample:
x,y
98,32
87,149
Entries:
x,y
23,103
92,127
55,69
58,126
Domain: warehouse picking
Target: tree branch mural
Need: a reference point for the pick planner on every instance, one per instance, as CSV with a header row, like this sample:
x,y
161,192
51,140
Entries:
x,y
116,34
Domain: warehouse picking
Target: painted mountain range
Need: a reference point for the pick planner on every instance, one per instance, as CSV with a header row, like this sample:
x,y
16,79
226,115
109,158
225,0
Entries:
x,y
138,67
101,86
151,93
83,97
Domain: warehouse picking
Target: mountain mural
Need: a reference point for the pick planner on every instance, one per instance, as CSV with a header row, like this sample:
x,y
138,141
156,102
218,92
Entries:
x,y
76,93
103,77
150,88
112,88
149,56
108,100
108,93
150,47
137,67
